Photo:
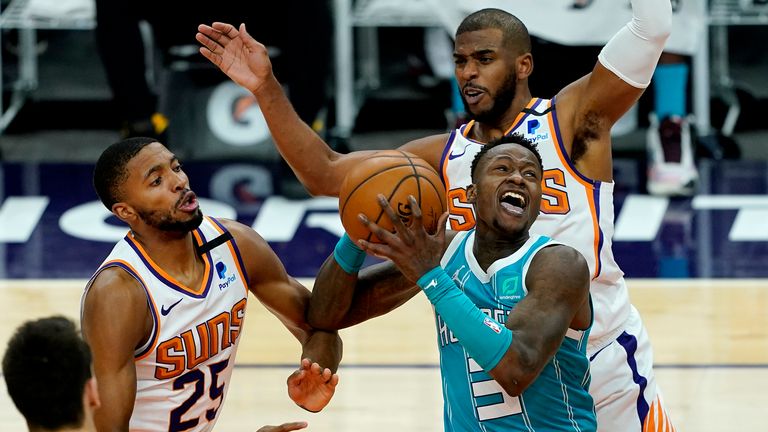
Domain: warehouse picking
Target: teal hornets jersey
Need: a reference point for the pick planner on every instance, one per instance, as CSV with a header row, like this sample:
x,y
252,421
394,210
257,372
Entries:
x,y
558,400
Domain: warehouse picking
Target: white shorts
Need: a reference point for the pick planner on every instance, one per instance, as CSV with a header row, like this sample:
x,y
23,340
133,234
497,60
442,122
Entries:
x,y
624,386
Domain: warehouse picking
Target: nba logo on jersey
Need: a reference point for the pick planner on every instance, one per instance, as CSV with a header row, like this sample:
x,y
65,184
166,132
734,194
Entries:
x,y
492,325
221,270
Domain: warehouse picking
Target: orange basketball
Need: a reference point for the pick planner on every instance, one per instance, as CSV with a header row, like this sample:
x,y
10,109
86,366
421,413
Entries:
x,y
395,174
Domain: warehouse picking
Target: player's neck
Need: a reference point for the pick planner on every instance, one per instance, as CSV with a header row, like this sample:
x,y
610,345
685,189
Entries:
x,y
489,130
176,254
490,246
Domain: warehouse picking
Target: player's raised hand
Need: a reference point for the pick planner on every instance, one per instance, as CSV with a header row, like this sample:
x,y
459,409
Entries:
x,y
236,53
411,248
312,386
285,427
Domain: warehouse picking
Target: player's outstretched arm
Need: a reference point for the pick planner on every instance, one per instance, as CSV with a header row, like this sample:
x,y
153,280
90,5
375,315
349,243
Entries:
x,y
113,333
342,297
288,301
513,355
588,108
245,61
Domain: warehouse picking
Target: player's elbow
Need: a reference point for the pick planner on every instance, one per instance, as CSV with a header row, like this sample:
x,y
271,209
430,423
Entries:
x,y
516,373
652,20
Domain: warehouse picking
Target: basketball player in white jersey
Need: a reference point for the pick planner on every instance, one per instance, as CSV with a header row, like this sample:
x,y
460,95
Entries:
x,y
493,62
164,311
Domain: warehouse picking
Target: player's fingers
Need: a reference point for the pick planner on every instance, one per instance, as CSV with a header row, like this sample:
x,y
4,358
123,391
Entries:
x,y
374,249
384,235
327,374
209,43
214,58
293,426
225,29
400,229
442,225
334,380
316,369
417,225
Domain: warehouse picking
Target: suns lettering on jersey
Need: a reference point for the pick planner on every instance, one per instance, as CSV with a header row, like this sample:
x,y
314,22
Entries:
x,y
554,195
195,346
462,217
554,200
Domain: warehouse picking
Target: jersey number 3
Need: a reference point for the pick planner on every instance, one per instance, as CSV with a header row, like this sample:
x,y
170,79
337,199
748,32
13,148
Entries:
x,y
508,406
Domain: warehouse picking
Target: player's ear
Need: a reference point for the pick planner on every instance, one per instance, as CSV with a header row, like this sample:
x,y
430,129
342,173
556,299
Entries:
x,y
91,394
472,193
524,66
124,212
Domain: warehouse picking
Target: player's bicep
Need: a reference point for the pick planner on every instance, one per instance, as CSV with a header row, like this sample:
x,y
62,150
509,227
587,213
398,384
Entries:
x,y
269,282
554,297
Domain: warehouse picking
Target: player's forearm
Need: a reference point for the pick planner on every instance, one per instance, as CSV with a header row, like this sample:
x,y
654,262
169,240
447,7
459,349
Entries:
x,y
633,52
332,296
324,348
307,154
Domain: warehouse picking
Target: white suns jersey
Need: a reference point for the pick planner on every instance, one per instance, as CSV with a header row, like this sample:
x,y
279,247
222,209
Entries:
x,y
183,370
575,210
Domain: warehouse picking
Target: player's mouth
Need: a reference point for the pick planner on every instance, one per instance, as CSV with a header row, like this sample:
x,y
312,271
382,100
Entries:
x,y
472,95
513,202
188,202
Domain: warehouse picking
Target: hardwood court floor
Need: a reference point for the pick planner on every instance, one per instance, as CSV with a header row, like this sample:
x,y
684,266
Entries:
x,y
710,340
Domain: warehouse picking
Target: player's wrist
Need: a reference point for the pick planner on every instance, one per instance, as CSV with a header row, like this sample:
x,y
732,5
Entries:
x,y
348,255
435,283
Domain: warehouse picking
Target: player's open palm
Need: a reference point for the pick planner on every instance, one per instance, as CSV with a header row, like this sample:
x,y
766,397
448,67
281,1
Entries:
x,y
236,53
312,386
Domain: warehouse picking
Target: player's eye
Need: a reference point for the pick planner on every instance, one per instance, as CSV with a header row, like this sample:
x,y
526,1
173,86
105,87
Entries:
x,y
156,182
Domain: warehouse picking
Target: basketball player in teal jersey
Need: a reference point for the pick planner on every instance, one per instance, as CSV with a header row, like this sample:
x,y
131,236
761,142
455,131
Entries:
x,y
493,62
512,309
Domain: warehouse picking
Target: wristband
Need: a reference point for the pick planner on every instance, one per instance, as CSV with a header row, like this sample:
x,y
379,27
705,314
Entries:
x,y
348,255
484,338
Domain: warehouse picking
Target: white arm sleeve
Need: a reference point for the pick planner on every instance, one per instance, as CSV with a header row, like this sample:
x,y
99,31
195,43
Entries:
x,y
633,52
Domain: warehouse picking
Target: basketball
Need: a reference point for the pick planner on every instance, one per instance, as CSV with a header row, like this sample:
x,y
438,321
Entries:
x,y
395,174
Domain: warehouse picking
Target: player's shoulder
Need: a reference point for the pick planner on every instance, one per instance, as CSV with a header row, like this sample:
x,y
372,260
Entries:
x,y
241,232
569,261
115,285
429,148
250,243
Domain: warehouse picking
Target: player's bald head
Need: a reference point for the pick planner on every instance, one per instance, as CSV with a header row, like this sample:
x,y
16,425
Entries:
x,y
514,31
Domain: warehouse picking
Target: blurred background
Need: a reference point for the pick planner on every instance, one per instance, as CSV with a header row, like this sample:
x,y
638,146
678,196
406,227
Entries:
x,y
78,75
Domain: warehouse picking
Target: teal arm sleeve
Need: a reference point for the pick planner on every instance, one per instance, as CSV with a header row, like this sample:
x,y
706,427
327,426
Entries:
x,y
484,338
349,257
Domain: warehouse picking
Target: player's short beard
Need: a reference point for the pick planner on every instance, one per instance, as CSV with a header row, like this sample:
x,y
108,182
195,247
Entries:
x,y
164,222
501,102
